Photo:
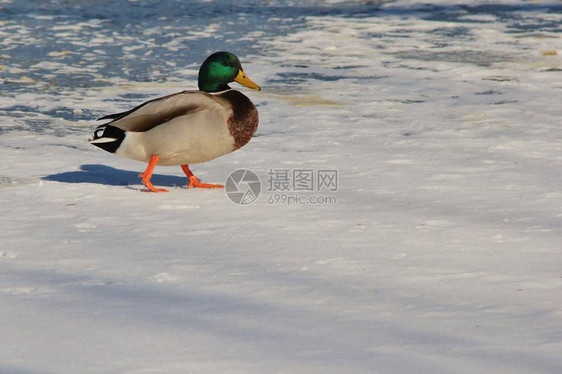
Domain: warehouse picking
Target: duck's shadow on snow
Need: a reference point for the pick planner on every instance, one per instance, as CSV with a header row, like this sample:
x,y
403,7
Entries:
x,y
109,176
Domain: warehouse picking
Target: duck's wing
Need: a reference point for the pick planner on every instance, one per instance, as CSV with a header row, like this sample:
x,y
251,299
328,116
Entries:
x,y
162,110
117,116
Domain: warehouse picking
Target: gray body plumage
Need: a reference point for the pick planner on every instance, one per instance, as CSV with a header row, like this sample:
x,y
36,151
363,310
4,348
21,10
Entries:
x,y
184,128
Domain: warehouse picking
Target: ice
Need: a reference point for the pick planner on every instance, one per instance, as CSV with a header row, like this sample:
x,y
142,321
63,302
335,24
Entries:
x,y
441,255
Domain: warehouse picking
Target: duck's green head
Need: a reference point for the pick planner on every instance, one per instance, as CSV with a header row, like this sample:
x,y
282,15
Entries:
x,y
221,68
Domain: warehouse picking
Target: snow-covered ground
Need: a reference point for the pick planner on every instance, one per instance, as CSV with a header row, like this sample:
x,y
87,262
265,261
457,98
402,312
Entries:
x,y
439,252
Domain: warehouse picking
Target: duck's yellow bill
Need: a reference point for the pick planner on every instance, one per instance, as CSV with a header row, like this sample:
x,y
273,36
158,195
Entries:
x,y
243,79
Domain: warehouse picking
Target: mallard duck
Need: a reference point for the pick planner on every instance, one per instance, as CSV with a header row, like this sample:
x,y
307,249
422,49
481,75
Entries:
x,y
188,127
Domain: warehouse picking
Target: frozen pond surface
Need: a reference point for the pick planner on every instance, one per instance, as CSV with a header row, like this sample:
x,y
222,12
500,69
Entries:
x,y
442,253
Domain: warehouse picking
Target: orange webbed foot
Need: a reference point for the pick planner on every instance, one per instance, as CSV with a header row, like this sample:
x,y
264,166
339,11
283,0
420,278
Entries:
x,y
194,182
148,174
150,186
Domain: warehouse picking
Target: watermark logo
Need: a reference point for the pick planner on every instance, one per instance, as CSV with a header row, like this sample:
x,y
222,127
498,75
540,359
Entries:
x,y
242,187
284,186
303,180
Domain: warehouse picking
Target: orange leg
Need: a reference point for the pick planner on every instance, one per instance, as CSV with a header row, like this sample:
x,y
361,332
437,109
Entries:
x,y
194,182
148,174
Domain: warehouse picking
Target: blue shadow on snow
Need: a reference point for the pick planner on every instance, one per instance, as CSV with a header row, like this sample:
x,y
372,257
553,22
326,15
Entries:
x,y
109,176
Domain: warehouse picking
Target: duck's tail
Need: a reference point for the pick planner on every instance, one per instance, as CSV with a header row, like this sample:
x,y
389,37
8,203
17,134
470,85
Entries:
x,y
107,137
